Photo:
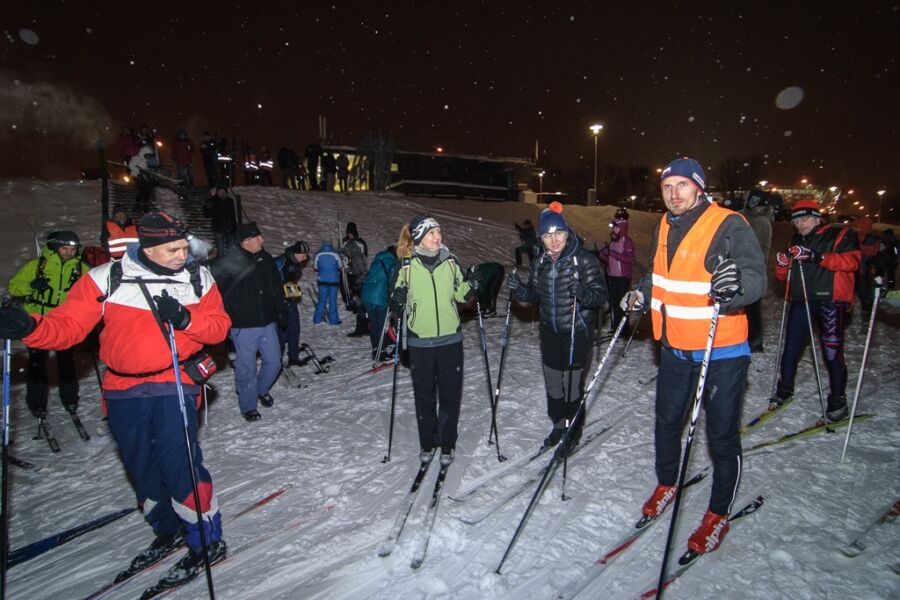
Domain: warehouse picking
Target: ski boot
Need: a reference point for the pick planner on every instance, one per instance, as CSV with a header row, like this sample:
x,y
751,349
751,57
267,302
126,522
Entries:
x,y
709,534
837,408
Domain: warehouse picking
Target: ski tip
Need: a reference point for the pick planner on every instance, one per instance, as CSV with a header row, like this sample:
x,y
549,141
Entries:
x,y
688,557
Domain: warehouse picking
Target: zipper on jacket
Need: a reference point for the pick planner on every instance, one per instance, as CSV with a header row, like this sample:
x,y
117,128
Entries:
x,y
437,310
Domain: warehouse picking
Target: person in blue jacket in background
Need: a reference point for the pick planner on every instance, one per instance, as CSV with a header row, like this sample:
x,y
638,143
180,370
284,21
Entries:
x,y
327,264
375,297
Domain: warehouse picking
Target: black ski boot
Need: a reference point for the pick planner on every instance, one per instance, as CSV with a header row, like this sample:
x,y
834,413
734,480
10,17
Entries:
x,y
837,408
155,552
556,434
362,327
191,564
267,400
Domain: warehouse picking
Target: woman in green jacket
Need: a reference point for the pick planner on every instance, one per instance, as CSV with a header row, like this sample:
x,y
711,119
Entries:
x,y
44,283
428,285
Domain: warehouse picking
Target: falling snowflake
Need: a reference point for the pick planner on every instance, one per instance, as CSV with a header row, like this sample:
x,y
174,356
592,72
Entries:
x,y
789,98
691,119
29,37
788,133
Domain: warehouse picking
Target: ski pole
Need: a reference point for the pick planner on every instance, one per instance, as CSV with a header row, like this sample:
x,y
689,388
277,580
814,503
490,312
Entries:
x,y
633,331
504,343
812,345
695,414
557,453
570,424
612,342
487,376
775,367
862,368
4,508
384,326
397,331
190,457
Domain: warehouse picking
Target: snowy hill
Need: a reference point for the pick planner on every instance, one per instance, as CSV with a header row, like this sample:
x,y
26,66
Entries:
x,y
326,440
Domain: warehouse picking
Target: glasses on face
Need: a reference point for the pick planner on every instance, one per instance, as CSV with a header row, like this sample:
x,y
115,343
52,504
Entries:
x,y
554,235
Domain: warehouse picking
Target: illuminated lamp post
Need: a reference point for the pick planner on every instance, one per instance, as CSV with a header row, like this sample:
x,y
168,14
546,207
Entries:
x,y
595,129
541,181
880,204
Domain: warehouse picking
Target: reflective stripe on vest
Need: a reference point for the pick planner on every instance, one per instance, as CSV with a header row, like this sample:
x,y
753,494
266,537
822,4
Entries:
x,y
684,288
119,238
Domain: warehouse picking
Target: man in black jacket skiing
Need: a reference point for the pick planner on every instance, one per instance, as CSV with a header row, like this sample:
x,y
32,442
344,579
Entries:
x,y
253,298
567,281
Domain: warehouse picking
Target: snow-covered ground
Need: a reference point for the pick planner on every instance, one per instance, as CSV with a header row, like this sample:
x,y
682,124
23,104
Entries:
x,y
327,438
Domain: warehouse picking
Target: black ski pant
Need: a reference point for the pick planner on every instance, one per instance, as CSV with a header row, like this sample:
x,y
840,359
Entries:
x,y
37,389
828,316
437,374
618,287
754,325
676,387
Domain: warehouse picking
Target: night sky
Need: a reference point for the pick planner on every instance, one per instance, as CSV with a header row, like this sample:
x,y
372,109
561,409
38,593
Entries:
x,y
486,78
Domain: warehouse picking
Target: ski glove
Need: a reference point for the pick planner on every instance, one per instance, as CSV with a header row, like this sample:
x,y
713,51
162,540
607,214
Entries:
x,y
726,281
804,253
40,284
398,297
783,259
513,282
15,323
172,311
576,289
637,298
472,279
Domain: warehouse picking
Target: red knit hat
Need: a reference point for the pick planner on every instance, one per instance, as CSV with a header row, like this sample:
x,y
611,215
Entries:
x,y
805,208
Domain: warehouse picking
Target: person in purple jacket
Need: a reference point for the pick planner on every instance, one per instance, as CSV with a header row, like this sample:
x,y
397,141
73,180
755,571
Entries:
x,y
618,258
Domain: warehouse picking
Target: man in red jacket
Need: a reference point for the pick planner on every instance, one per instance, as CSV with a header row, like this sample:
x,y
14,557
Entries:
x,y
139,385
823,260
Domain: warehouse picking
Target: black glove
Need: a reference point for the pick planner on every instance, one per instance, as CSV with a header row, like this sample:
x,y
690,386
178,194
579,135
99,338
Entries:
x,y
15,323
398,297
40,284
576,289
472,279
172,311
726,281
513,282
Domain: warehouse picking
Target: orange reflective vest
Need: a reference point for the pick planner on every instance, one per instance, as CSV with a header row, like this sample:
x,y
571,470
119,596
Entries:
x,y
119,238
681,291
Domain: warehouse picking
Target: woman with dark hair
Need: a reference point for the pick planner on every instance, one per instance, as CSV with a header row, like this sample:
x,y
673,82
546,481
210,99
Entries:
x,y
428,285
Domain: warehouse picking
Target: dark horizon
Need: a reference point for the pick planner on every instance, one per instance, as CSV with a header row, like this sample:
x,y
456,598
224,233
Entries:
x,y
809,89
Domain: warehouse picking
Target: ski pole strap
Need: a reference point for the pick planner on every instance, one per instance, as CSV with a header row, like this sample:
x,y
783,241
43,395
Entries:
x,y
152,305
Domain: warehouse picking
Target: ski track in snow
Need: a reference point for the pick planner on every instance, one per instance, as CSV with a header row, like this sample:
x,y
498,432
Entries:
x,y
328,439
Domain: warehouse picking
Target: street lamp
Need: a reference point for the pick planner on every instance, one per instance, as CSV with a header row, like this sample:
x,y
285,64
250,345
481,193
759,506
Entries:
x,y
541,181
880,203
595,129
633,198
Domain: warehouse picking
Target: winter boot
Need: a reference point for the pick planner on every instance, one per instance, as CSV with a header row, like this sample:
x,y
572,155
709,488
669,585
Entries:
x,y
661,497
295,362
252,415
556,434
710,534
72,409
155,552
783,394
447,457
267,400
190,565
837,408
425,456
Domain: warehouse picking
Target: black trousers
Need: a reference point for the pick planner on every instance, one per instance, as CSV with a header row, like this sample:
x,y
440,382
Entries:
x,y
437,384
37,389
829,317
676,386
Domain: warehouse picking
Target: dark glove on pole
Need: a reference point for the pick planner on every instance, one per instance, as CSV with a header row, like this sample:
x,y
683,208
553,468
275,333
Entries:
x,y
172,311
